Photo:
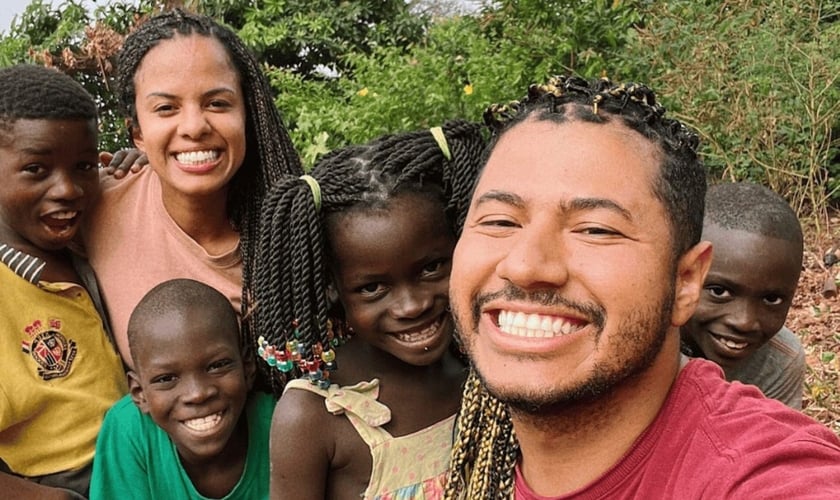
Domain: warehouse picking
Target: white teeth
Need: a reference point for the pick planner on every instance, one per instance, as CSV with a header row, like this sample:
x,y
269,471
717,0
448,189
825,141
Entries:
x,y
204,423
197,156
64,215
733,345
534,325
419,335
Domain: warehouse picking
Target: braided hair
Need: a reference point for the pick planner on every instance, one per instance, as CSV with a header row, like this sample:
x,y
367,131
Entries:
x,y
485,451
293,315
30,92
269,151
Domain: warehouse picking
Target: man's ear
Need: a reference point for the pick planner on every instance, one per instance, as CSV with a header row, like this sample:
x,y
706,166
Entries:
x,y
136,391
691,274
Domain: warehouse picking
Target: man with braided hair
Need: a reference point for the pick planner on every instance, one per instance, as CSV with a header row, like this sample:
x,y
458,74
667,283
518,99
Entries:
x,y
739,321
579,261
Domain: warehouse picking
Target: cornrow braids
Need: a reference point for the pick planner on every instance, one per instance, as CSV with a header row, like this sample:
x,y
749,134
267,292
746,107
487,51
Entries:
x,y
681,184
292,317
30,92
269,153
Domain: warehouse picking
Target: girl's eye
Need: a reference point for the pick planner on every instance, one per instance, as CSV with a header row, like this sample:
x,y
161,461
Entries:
x,y
222,363
497,222
371,289
164,108
219,104
718,291
435,268
86,166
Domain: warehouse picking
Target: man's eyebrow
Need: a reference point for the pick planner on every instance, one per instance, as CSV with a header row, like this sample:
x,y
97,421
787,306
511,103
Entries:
x,y
596,203
505,197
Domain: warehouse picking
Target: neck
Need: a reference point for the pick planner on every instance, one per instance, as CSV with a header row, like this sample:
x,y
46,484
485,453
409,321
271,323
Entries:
x,y
602,431
203,218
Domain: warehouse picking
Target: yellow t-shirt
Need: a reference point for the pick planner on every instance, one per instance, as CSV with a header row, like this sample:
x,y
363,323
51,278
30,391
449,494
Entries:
x,y
59,374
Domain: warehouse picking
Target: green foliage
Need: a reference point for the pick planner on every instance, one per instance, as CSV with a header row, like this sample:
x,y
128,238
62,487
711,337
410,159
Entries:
x,y
308,36
759,79
79,43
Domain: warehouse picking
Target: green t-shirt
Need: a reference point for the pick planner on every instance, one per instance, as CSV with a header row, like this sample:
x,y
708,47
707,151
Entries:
x,y
135,459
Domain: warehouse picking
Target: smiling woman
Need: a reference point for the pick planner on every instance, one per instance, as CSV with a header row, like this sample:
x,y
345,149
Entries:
x,y
201,110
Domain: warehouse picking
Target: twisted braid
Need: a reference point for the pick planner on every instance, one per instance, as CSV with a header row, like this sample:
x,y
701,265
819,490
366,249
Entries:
x,y
290,278
485,450
681,184
269,151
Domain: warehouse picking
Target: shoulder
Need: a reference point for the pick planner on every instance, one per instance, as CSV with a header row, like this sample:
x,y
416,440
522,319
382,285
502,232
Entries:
x,y
780,442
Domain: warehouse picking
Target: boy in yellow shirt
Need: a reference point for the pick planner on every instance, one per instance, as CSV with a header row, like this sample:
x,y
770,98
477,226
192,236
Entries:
x,y
59,371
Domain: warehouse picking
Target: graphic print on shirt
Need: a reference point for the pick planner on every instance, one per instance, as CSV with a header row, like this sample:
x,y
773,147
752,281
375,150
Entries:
x,y
53,352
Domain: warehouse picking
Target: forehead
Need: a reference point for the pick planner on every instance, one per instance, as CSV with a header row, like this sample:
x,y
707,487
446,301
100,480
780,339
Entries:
x,y
558,161
753,259
185,330
43,130
410,225
181,58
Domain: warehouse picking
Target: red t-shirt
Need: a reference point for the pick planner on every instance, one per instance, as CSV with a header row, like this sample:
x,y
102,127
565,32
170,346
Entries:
x,y
717,440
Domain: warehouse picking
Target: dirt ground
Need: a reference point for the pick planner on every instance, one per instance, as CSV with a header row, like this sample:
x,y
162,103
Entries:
x,y
815,316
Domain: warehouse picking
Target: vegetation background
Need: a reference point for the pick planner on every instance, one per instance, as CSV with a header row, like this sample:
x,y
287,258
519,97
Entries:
x,y
757,78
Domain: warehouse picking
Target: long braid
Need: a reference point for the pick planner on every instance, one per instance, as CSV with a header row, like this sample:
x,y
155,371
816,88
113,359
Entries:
x,y
486,451
269,151
290,278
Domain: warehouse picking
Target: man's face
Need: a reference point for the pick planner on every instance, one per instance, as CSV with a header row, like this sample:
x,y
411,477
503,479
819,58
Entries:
x,y
563,280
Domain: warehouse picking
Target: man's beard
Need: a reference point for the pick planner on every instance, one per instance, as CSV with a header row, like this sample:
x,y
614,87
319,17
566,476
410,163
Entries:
x,y
633,347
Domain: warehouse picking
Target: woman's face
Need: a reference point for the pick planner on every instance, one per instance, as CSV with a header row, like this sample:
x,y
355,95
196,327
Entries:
x,y
190,115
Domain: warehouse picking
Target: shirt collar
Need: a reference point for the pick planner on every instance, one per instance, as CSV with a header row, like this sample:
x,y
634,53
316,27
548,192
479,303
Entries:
x,y
24,265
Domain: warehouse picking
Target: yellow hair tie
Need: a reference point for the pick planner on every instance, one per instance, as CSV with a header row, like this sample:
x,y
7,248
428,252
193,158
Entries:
x,y
437,133
316,189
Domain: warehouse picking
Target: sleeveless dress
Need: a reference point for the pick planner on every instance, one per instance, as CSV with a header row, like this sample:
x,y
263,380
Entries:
x,y
411,467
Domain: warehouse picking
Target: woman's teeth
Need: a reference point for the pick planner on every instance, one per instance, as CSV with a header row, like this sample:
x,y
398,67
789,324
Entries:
x,y
197,157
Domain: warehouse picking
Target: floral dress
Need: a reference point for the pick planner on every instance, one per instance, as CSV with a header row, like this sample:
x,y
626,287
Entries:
x,y
411,467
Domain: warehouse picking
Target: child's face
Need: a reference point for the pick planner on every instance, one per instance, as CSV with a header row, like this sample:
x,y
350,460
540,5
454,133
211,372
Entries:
x,y
191,115
391,270
746,295
191,379
49,180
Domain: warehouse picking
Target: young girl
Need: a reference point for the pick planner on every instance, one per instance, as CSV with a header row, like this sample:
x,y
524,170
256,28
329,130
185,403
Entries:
x,y
189,428
201,110
373,228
